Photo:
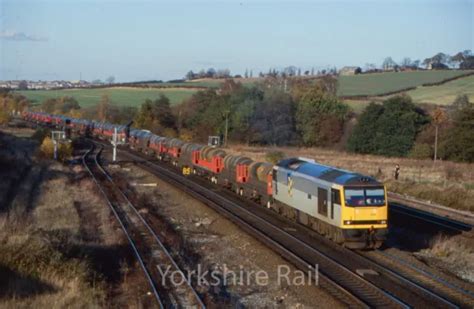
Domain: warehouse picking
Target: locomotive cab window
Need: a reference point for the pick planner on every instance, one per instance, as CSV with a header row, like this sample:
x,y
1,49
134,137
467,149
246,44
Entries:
x,y
358,197
336,196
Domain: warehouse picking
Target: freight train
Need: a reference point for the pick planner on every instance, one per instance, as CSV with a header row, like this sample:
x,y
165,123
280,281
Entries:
x,y
346,207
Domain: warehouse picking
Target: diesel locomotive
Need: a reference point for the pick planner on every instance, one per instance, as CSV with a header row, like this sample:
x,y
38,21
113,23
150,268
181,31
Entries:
x,y
349,208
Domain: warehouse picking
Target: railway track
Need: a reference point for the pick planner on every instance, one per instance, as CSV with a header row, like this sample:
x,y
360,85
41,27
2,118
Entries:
x,y
355,279
444,223
151,254
456,294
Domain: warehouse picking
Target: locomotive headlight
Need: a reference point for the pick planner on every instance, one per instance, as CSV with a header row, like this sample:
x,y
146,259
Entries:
x,y
347,222
383,222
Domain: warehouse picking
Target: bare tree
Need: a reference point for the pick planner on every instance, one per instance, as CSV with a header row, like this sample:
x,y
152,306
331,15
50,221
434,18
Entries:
x,y
370,66
110,80
406,62
190,75
103,107
388,63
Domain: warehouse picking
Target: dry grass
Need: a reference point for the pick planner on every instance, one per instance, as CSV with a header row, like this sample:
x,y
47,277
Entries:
x,y
37,269
446,183
455,255
55,210
44,276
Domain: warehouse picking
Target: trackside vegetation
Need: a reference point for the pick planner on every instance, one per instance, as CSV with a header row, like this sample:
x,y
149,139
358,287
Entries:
x,y
388,129
293,112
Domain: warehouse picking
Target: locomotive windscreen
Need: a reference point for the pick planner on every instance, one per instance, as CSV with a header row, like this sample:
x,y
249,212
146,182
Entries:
x,y
357,197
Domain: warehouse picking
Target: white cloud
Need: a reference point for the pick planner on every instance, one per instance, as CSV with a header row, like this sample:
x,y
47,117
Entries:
x,y
20,36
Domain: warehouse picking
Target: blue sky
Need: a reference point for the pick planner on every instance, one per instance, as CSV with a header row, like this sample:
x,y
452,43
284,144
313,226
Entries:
x,y
139,40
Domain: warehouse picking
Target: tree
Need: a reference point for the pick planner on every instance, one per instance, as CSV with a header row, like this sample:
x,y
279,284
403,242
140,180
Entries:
x,y
190,75
67,104
427,62
62,105
437,61
23,85
156,115
201,113
416,63
439,117
461,102
211,73
406,62
4,116
223,73
363,138
388,63
459,142
103,107
389,129
110,80
467,64
246,74
440,58
320,117
242,116
273,120
329,84
370,66
290,71
49,105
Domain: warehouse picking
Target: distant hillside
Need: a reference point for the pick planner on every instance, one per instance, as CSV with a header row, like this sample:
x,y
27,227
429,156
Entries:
x,y
446,93
377,84
124,96
357,90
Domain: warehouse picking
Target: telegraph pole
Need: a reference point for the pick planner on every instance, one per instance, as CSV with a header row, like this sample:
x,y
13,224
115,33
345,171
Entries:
x,y
436,144
226,128
114,143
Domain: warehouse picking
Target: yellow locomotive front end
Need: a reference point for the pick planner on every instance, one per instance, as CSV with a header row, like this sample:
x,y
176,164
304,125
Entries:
x,y
364,216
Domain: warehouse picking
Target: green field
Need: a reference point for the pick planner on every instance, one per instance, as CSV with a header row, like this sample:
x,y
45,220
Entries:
x,y
446,93
365,84
213,83
357,106
380,83
118,96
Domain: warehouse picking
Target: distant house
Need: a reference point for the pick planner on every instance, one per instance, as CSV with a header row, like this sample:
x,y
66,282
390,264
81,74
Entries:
x,y
350,71
437,66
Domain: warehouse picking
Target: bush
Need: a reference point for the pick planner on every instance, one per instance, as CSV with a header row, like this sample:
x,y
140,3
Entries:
x,y
320,117
186,135
40,134
388,130
274,156
4,117
458,144
421,151
47,149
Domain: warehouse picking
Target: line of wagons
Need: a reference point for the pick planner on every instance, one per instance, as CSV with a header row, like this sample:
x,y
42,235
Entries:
x,y
347,207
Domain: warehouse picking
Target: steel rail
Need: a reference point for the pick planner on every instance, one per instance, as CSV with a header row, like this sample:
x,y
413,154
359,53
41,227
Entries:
x,y
124,229
339,275
152,232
